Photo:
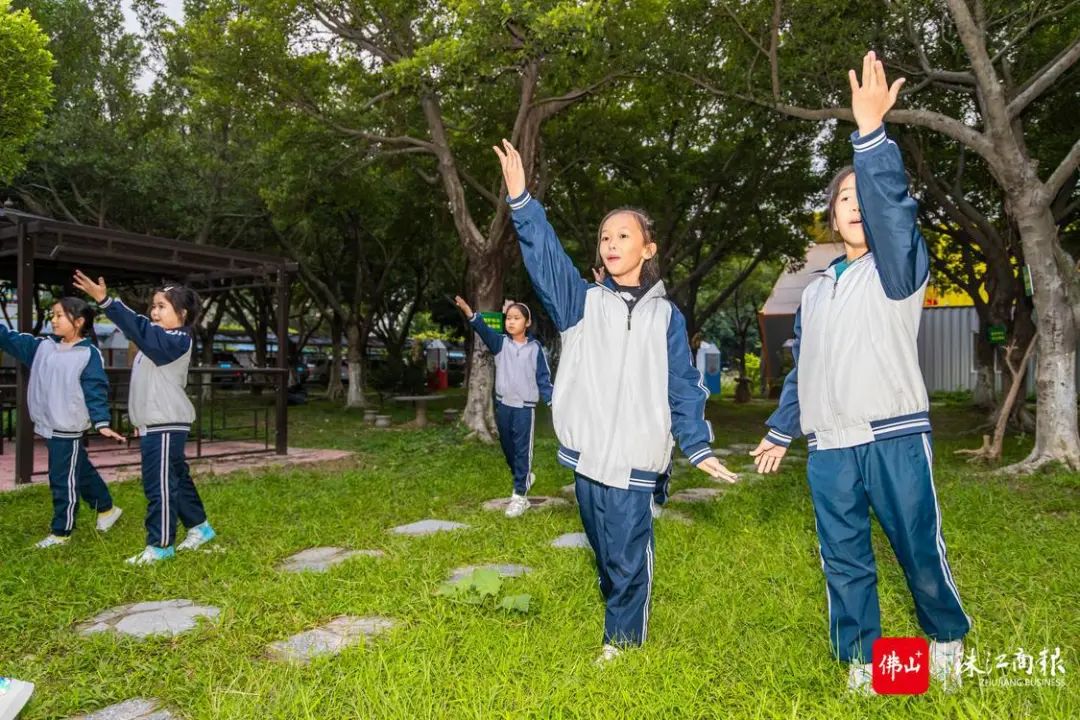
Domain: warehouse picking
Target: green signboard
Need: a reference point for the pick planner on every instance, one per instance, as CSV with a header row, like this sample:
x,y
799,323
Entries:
x,y
493,320
996,334
1027,281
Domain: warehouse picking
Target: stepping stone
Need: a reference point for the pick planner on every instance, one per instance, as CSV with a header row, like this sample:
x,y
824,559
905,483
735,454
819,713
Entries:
x,y
503,570
321,559
696,495
427,527
536,502
569,490
675,516
135,709
329,639
572,540
741,448
163,617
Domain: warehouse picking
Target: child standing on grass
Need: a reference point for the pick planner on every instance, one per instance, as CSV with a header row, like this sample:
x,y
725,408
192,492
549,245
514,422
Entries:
x,y
522,379
625,386
68,394
159,408
857,393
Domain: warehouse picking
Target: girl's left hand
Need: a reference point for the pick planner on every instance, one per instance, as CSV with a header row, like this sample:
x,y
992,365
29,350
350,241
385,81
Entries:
x,y
506,305
874,98
112,435
716,469
96,290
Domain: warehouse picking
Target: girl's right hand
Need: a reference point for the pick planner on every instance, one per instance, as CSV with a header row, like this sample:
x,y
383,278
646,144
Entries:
x,y
873,98
112,435
513,170
716,469
463,306
96,290
767,456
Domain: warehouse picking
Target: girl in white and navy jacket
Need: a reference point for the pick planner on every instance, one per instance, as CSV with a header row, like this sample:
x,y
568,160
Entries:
x,y
522,379
158,406
625,385
68,394
857,394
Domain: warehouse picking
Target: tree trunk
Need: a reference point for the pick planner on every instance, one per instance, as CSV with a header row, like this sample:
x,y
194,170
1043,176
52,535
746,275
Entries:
x,y
485,279
334,390
1056,437
357,344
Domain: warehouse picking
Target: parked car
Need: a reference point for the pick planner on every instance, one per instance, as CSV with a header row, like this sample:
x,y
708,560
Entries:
x,y
319,373
228,361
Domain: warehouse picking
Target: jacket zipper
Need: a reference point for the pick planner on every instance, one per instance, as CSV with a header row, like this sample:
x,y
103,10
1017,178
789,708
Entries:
x,y
828,355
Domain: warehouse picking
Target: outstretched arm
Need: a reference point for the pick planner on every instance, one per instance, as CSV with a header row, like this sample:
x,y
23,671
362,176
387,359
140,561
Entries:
x,y
160,345
21,346
558,283
888,211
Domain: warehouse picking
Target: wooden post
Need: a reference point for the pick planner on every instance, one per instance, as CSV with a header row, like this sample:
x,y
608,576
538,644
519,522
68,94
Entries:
x,y
282,405
24,428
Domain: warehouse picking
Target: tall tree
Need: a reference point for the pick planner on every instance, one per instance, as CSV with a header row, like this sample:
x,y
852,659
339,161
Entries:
x,y
981,73
25,84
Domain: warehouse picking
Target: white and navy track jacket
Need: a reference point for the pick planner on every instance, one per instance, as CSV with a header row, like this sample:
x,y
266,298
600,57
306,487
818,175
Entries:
x,y
522,376
625,381
856,377
157,401
68,389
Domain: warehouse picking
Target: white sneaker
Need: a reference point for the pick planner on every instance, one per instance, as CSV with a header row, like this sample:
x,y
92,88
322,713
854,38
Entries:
x,y
151,555
517,506
52,541
861,679
14,694
108,518
197,536
655,509
945,662
607,654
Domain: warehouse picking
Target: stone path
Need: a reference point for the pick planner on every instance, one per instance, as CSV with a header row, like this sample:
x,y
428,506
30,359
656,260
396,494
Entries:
x,y
321,559
134,709
670,515
428,527
510,570
692,495
329,639
163,617
569,490
572,540
536,502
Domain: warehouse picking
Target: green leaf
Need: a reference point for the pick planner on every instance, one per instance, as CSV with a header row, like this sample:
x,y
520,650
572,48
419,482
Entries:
x,y
516,603
485,582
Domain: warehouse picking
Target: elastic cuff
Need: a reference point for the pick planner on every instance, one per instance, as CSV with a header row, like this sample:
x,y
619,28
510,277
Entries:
x,y
102,424
520,201
862,143
698,454
106,302
778,438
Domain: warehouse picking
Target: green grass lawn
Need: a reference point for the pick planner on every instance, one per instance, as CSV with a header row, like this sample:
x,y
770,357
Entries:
x,y
738,626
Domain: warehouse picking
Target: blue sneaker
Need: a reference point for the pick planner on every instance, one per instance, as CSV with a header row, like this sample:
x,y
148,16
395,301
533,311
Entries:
x,y
197,536
150,555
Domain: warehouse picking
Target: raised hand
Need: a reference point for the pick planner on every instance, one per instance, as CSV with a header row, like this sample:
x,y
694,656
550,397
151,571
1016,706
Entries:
x,y
112,435
716,469
513,170
874,97
463,306
599,274
507,303
767,456
97,290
